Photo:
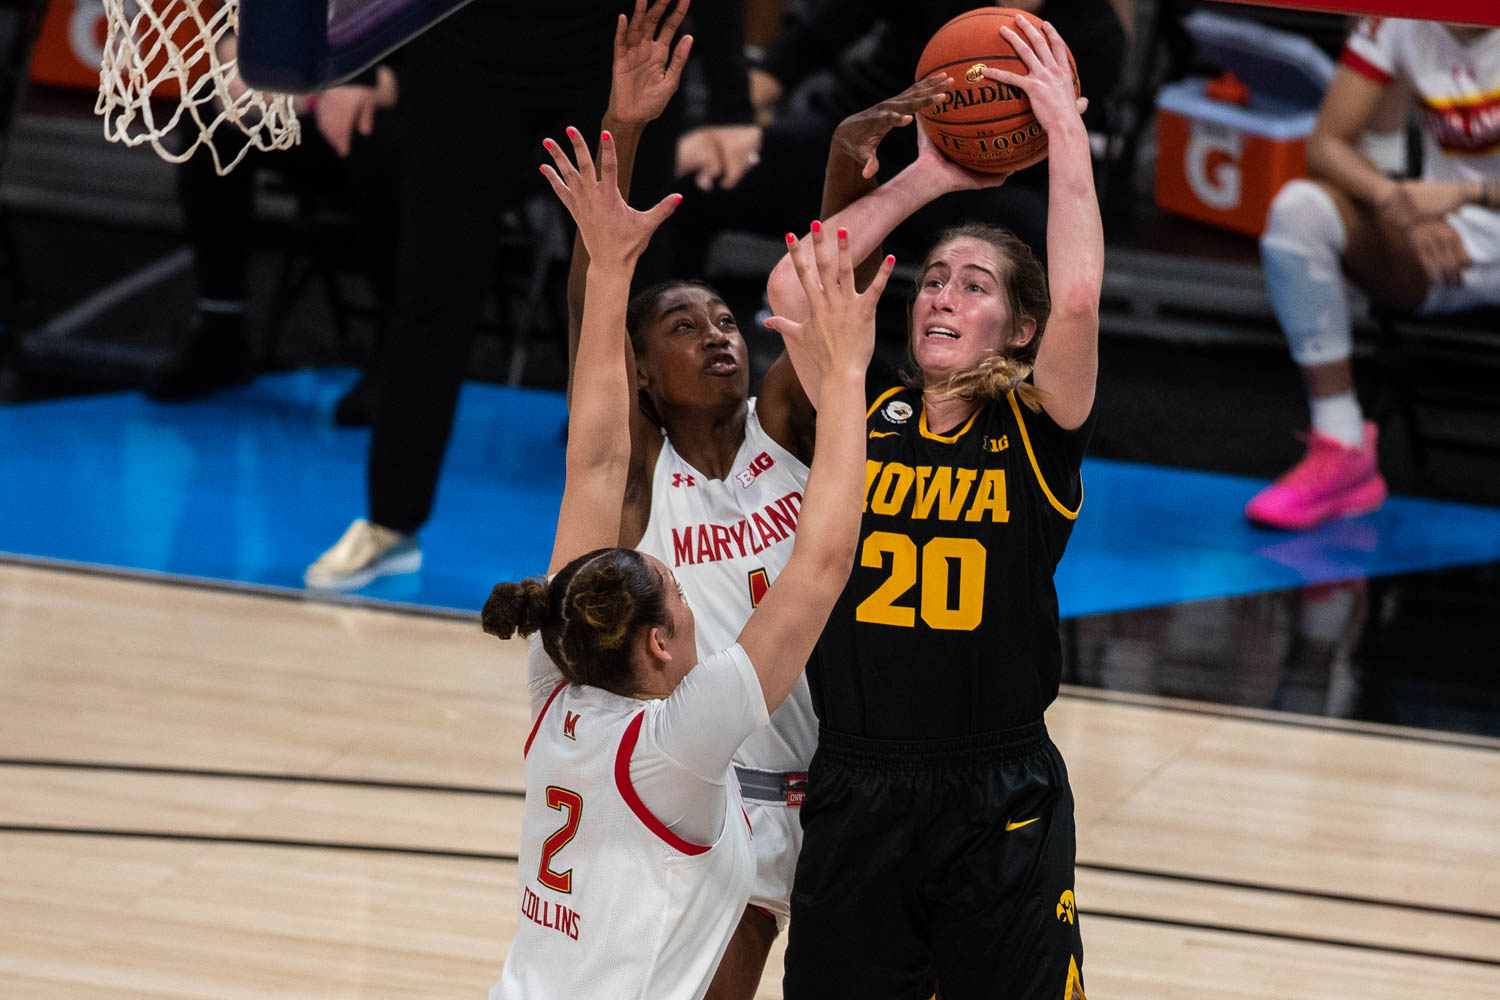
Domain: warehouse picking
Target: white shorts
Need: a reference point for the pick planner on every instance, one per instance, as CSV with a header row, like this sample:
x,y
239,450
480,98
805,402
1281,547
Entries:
x,y
778,841
1479,229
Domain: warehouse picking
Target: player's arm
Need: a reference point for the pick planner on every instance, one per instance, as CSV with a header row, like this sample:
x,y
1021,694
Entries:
x,y
785,406
1334,156
871,218
837,340
1067,363
784,410
852,159
599,445
1333,153
646,71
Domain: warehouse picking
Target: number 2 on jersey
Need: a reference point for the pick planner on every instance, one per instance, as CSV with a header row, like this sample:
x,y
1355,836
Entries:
x,y
932,564
563,800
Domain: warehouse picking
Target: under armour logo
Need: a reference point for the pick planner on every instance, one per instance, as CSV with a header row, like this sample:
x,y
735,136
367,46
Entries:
x,y
570,724
678,479
1065,907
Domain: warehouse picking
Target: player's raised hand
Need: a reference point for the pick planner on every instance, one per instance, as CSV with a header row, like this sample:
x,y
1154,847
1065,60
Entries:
x,y
860,134
647,67
1049,84
840,329
612,231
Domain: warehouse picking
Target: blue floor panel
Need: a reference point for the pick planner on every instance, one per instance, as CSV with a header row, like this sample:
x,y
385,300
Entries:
x,y
250,485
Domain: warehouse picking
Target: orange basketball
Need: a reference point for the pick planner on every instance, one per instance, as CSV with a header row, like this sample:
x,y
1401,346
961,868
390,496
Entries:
x,y
979,123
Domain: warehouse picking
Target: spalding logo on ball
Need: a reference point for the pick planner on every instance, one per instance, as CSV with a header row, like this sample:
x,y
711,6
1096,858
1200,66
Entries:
x,y
982,124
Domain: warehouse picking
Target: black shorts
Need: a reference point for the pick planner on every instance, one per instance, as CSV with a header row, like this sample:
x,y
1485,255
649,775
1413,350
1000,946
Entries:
x,y
940,864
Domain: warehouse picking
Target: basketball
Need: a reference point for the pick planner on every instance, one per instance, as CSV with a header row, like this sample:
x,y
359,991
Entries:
x,y
982,124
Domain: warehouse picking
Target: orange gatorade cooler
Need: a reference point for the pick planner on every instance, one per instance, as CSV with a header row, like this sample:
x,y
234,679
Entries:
x,y
70,45
1224,150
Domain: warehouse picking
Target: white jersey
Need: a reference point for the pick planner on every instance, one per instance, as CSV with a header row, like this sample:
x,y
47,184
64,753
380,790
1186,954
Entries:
x,y
726,540
1456,86
614,905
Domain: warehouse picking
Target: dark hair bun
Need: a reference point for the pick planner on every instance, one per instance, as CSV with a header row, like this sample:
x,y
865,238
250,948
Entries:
x,y
516,607
602,601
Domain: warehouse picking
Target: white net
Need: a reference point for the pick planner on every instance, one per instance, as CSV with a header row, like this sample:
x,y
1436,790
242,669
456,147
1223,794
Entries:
x,y
169,69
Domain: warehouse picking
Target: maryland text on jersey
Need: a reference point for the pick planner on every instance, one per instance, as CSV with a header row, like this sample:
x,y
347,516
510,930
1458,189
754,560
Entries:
x,y
702,543
1466,124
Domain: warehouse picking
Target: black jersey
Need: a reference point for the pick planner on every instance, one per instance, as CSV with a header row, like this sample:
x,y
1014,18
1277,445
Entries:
x,y
948,625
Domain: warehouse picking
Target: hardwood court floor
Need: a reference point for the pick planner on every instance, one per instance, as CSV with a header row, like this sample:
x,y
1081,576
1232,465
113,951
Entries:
x,y
214,794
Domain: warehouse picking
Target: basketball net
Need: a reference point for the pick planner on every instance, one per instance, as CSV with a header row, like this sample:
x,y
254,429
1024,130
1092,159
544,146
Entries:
x,y
169,68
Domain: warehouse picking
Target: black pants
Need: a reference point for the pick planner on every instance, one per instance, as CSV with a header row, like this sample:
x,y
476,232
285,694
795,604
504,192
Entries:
x,y
943,864
479,91
218,212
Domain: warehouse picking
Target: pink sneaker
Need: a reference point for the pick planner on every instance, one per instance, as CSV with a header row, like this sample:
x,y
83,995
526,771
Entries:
x,y
1332,481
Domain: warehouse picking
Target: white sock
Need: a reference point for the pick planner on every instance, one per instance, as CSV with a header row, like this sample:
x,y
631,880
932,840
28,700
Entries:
x,y
1340,418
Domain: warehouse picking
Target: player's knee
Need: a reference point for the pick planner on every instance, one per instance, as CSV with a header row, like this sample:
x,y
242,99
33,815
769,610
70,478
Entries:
x,y
1304,220
1300,258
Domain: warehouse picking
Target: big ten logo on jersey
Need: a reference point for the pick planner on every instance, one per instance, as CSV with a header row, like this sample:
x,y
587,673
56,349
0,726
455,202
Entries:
x,y
996,445
761,463
693,544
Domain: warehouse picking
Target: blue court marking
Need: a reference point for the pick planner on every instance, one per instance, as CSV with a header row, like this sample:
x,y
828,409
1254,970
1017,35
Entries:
x,y
1148,536
250,485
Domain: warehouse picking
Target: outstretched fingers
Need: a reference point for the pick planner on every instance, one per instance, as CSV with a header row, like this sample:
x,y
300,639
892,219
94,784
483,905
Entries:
x,y
637,23
1055,43
1006,76
581,154
921,93
622,35
673,71
881,279
609,163
658,213
806,264
561,174
674,21
825,256
1027,41
843,263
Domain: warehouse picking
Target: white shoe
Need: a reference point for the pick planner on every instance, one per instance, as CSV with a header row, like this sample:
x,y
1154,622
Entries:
x,y
366,551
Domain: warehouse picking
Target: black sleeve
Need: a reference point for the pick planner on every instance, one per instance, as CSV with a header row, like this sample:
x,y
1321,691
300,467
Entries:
x,y
1059,453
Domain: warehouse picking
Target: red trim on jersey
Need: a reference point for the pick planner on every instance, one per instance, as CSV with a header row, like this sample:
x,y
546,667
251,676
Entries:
x,y
628,793
542,715
1353,60
1461,11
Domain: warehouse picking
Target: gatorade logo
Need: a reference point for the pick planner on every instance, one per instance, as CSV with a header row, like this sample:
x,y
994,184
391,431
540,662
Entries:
x,y
1212,165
